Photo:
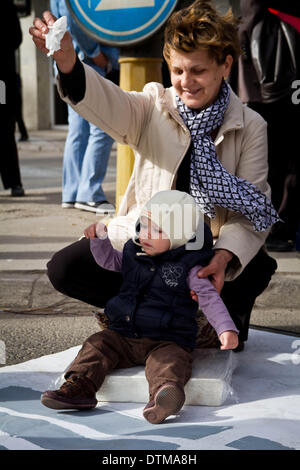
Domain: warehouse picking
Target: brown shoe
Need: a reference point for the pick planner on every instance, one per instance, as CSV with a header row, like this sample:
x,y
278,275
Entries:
x,y
77,392
168,400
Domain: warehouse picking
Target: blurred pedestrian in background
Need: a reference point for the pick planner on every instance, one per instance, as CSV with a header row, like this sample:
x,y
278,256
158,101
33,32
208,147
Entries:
x,y
19,116
9,160
87,148
263,79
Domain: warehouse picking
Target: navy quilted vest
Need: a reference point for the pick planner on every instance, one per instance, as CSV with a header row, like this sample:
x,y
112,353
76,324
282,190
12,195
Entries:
x,y
154,300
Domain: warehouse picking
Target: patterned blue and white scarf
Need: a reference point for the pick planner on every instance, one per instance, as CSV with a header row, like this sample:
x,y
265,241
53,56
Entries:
x,y
210,182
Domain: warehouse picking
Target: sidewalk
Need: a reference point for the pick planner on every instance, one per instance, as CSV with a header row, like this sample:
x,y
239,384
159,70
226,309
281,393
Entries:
x,y
33,228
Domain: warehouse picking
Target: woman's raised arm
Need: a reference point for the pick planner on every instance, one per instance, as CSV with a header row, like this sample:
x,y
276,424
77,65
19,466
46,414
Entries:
x,y
66,56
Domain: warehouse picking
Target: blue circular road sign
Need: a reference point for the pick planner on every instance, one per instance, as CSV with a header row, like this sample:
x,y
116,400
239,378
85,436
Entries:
x,y
121,22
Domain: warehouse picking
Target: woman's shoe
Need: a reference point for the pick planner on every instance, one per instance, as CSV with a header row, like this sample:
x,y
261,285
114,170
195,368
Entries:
x,y
240,347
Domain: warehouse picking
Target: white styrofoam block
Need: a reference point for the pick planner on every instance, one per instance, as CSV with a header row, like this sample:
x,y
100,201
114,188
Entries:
x,y
209,384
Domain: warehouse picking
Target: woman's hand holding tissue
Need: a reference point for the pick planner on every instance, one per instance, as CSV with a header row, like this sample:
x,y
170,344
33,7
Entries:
x,y
65,57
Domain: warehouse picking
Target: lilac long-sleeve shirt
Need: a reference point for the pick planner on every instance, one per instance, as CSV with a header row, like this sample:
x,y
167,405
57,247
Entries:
x,y
209,300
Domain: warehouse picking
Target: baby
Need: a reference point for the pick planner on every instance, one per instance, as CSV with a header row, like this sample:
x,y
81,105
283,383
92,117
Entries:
x,y
152,321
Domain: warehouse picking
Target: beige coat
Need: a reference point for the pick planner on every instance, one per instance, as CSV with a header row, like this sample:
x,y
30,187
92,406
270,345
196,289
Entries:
x,y
150,124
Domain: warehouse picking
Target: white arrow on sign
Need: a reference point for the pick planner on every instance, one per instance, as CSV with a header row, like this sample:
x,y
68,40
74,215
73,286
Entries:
x,y
122,4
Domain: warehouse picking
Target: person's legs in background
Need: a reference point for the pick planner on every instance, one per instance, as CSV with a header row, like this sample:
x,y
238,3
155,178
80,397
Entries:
x,y
9,159
298,209
19,112
9,162
283,174
75,147
93,170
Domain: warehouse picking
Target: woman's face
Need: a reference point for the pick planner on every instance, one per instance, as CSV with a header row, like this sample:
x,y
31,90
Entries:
x,y
197,77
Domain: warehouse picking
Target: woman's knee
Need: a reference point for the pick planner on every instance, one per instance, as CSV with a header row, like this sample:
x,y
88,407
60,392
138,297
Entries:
x,y
57,269
67,264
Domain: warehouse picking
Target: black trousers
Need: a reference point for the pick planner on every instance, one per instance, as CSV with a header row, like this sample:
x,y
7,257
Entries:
x,y
284,173
9,159
74,272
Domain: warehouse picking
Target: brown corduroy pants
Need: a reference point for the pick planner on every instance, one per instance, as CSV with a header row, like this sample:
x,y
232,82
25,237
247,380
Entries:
x,y
164,361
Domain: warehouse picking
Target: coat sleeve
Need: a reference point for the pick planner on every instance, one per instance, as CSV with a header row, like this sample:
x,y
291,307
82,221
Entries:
x,y
237,234
123,115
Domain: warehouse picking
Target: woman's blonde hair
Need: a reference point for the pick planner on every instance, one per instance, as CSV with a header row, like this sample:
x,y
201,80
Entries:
x,y
200,26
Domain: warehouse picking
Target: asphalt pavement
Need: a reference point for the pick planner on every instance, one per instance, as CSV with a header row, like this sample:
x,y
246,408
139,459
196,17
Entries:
x,y
36,320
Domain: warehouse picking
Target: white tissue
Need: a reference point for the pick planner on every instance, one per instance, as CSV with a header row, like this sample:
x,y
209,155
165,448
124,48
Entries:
x,y
55,35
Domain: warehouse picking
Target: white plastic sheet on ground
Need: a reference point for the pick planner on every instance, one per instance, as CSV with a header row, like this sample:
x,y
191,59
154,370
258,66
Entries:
x,y
265,415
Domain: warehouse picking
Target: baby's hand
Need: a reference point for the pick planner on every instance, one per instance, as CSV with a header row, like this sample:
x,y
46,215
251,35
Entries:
x,y
228,340
90,231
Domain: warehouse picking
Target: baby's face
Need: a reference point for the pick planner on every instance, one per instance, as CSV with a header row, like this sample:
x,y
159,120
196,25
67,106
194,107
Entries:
x,y
153,240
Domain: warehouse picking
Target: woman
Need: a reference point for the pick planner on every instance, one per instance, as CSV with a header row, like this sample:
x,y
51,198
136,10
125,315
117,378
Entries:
x,y
200,47
9,160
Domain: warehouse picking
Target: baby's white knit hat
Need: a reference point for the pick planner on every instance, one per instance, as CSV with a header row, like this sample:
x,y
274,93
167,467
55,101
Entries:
x,y
176,214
